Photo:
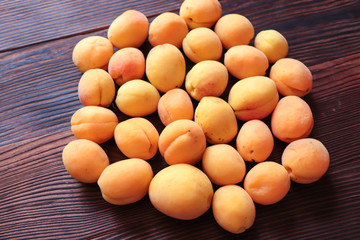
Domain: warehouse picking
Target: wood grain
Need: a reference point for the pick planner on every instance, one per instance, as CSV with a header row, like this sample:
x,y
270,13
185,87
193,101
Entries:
x,y
38,83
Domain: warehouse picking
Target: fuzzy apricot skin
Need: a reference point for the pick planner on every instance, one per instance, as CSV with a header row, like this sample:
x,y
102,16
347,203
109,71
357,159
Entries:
x,y
234,29
306,160
267,183
92,52
253,98
137,98
272,43
169,77
181,191
84,160
233,209
245,61
126,181
292,119
182,141
292,77
130,29
200,13
223,164
255,141
206,78
217,119
94,123
175,105
202,44
169,28
137,138
127,64
96,88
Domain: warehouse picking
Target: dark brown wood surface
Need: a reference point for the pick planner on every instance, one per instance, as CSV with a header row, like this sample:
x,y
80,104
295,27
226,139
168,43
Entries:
x,y
38,95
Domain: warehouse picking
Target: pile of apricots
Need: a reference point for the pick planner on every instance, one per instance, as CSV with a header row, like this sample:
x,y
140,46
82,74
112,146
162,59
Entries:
x,y
193,133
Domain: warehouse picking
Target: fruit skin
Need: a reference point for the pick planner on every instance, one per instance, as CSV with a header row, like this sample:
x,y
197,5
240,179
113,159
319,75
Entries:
x,y
169,77
217,120
253,98
137,138
234,29
233,209
306,160
174,105
181,191
127,64
182,141
272,43
130,29
84,160
200,13
94,123
292,119
92,52
167,27
223,164
126,181
292,77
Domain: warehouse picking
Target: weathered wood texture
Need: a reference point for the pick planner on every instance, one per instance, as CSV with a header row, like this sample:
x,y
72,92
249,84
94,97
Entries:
x,y
38,95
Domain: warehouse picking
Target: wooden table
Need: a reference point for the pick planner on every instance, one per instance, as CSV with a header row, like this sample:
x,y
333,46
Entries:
x,y
38,95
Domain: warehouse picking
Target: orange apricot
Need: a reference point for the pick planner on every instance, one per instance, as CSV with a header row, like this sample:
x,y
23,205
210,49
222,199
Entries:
x,y
272,43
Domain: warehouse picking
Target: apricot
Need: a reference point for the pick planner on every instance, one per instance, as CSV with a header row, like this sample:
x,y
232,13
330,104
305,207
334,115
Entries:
x,y
168,27
174,105
137,138
272,43
245,61
267,183
127,64
137,98
96,88
182,141
253,98
223,164
169,77
217,120
292,119
306,160
233,209
292,77
126,181
130,29
206,78
92,52
234,29
202,44
94,123
181,191
84,160
255,141
200,13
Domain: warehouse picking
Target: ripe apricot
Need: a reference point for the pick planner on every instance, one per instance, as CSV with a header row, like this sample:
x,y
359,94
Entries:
x,y
92,52
126,181
206,78
174,105
182,141
233,208
137,138
181,191
272,43
84,160
223,164
292,119
306,160
127,64
267,183
94,123
130,29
